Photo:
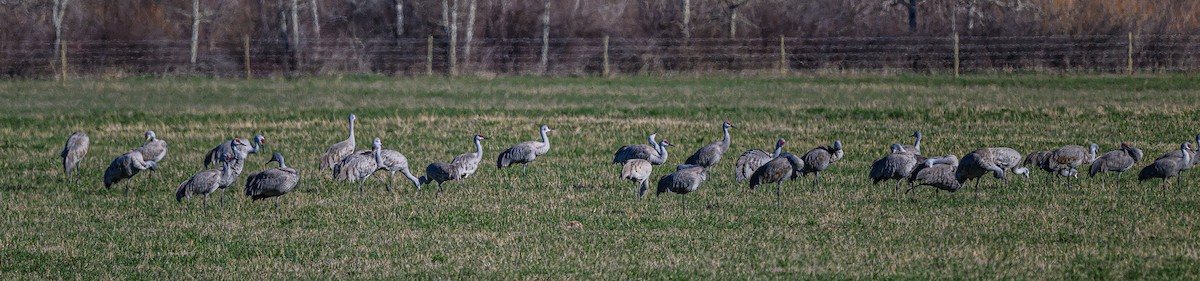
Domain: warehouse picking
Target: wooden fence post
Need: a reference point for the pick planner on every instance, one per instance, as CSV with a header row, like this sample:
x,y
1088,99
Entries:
x,y
956,55
606,55
246,49
1129,56
429,57
782,56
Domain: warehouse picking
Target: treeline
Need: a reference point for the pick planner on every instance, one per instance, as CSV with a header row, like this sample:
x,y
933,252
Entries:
x,y
292,31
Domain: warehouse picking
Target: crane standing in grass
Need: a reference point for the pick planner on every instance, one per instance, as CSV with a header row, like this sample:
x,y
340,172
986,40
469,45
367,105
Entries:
x,y
895,166
73,153
1119,161
525,152
255,145
638,171
1167,167
467,163
153,150
656,152
204,182
340,150
274,182
126,166
818,159
754,158
786,166
686,179
710,154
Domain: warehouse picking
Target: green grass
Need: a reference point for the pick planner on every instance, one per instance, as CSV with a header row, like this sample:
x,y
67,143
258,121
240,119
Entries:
x,y
572,217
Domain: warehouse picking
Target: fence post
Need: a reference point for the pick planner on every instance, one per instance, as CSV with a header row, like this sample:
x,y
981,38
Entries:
x,y
1129,57
606,55
429,56
62,58
956,55
246,55
782,56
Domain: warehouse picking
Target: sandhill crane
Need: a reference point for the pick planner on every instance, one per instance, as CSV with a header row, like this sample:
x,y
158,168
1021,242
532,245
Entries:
x,y
439,172
237,163
656,154
710,154
393,161
467,163
153,150
895,166
525,152
916,147
638,171
126,166
274,182
1179,154
786,166
357,167
686,179
204,182
338,151
1070,157
255,145
937,172
819,158
1040,159
73,153
1119,161
976,164
754,158
1166,167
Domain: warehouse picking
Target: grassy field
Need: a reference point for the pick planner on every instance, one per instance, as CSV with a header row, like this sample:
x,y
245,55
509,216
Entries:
x,y
572,217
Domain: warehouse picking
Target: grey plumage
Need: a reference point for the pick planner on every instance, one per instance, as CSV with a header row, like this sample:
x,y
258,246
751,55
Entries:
x,y
1070,157
274,182
786,166
525,152
656,152
73,152
686,179
340,150
236,165
1166,167
708,155
212,157
439,172
153,150
938,172
978,163
1041,160
638,171
895,166
916,147
754,158
466,164
126,166
818,159
204,182
1119,161
1179,154
357,167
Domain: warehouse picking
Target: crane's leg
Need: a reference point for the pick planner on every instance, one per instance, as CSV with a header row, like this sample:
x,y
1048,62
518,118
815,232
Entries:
x,y
277,202
644,186
896,191
778,193
816,178
683,202
1178,181
360,183
977,187
222,199
523,166
1164,184
205,202
391,176
439,193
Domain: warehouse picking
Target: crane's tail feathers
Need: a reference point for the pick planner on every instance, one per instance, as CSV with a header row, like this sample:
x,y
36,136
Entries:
x,y
1147,173
505,158
181,192
424,180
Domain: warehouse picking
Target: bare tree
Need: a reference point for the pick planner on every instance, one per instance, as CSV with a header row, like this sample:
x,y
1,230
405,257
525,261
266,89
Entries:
x,y
470,34
195,29
686,29
316,20
545,37
399,19
911,6
733,6
974,11
283,27
295,29
58,12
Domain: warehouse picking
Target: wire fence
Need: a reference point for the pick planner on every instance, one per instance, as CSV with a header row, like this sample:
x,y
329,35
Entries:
x,y
605,56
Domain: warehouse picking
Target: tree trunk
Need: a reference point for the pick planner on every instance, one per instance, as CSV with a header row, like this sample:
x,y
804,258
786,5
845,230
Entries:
x,y
454,38
58,12
470,34
399,19
316,20
912,16
687,20
733,21
545,38
283,31
195,29
295,32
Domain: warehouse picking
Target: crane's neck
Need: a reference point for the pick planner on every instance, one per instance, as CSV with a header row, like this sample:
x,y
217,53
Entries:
x,y
281,165
378,159
725,141
778,150
662,150
653,142
545,138
917,144
478,148
254,145
1187,158
351,130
